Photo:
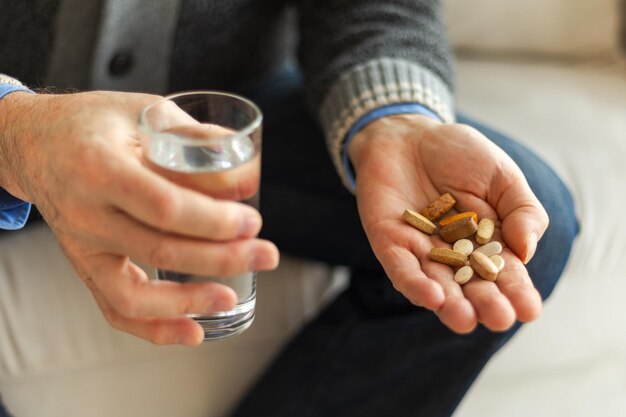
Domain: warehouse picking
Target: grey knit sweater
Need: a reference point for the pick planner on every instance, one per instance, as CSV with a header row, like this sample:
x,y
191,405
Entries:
x,y
356,55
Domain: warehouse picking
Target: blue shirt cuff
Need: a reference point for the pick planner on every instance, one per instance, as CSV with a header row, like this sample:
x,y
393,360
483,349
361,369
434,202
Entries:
x,y
13,211
389,110
10,88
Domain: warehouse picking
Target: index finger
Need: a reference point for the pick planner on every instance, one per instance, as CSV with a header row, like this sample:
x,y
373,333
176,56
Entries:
x,y
405,272
516,285
162,204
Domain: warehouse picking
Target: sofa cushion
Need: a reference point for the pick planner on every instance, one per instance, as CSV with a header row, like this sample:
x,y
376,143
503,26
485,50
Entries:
x,y
571,362
56,347
561,27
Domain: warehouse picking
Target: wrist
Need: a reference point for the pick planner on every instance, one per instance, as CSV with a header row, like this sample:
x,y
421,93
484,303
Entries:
x,y
385,130
14,139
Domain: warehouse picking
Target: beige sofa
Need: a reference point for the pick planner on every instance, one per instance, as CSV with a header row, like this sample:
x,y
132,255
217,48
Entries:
x,y
545,71
555,78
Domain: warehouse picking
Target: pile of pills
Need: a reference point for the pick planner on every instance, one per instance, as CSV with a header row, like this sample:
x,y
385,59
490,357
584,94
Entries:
x,y
484,260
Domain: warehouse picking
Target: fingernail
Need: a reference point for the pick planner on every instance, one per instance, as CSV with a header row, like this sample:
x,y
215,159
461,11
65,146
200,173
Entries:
x,y
531,247
249,226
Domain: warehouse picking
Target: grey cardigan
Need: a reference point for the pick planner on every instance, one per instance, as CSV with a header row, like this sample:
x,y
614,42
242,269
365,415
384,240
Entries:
x,y
356,55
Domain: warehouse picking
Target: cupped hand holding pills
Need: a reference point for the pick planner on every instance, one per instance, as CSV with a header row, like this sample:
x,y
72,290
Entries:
x,y
407,162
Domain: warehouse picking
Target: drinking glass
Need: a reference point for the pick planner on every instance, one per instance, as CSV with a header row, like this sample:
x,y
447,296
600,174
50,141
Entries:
x,y
209,142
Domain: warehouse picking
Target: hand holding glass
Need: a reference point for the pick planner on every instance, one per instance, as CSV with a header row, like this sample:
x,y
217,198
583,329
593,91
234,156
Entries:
x,y
209,142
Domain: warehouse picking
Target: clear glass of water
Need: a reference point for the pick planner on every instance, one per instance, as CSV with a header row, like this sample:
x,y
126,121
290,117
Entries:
x,y
209,142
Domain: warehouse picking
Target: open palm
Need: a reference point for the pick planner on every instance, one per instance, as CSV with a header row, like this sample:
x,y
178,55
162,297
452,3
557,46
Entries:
x,y
407,161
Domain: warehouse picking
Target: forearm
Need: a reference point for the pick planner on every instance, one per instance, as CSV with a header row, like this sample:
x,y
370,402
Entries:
x,y
338,35
361,56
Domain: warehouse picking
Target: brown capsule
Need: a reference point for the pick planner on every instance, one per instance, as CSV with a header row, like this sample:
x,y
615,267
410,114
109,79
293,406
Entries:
x,y
456,217
418,221
447,256
483,266
438,207
460,229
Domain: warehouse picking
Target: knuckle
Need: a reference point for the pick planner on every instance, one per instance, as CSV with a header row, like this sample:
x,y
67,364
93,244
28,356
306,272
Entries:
x,y
230,262
503,324
95,225
160,337
226,225
87,154
113,319
162,255
166,210
400,286
125,304
397,285
185,305
464,130
223,264
146,99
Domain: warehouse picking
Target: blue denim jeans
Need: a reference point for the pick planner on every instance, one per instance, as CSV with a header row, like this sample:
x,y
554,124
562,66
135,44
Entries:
x,y
370,352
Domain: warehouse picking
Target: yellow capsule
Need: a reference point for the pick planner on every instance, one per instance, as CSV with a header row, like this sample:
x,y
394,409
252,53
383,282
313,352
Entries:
x,y
486,227
456,217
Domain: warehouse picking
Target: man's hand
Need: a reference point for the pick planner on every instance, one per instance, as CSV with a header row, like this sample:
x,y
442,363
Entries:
x,y
79,159
407,161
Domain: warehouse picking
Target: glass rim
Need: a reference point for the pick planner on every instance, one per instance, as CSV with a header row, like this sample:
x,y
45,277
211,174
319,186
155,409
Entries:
x,y
246,131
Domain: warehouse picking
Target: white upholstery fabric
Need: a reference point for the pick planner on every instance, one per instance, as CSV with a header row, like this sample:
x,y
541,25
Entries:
x,y
572,362
58,357
561,27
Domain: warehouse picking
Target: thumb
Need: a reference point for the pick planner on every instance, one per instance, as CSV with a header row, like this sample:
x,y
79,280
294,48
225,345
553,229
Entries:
x,y
522,229
524,219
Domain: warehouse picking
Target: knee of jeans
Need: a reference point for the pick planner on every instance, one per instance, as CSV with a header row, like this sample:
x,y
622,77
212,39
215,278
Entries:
x,y
554,248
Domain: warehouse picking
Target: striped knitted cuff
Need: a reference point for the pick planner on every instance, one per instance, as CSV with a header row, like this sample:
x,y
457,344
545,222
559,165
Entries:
x,y
374,84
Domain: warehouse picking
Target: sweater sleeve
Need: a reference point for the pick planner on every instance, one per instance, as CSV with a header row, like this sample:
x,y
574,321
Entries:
x,y
359,55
